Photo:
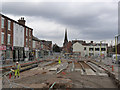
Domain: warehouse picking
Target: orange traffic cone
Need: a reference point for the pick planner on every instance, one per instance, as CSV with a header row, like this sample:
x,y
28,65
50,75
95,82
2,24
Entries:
x,y
112,68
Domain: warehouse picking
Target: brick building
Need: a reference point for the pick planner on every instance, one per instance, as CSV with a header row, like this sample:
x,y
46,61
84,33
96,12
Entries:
x,y
67,45
36,47
6,37
46,47
15,38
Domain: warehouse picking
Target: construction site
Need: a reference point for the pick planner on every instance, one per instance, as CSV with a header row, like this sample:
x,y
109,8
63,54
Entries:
x,y
50,74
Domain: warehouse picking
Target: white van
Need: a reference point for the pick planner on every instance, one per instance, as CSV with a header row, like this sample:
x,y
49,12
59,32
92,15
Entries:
x,y
114,58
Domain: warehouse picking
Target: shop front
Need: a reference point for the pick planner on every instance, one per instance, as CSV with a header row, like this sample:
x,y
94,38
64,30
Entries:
x,y
26,51
9,53
18,54
2,51
36,55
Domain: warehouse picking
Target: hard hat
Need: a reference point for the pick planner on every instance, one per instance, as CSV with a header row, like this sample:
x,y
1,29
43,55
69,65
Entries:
x,y
16,62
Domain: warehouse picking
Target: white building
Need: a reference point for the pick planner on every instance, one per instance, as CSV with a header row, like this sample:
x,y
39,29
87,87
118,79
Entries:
x,y
90,49
78,49
18,35
18,41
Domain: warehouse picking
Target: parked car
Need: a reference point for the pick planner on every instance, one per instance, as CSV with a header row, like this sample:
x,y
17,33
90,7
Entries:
x,y
114,58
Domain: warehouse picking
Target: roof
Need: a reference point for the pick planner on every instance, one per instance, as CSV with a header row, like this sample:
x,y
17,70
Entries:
x,y
35,38
15,21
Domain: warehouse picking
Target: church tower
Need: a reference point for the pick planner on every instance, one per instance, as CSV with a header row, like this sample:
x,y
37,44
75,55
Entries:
x,y
65,39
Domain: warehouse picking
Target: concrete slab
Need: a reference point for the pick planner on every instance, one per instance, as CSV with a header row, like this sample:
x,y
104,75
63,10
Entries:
x,y
82,72
52,69
90,72
102,74
77,69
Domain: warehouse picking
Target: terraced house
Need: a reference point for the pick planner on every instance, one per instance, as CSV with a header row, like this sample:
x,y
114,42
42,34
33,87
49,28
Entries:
x,y
15,39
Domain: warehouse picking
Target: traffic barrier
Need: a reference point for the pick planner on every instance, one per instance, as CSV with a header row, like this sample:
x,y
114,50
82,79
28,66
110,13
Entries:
x,y
9,75
112,68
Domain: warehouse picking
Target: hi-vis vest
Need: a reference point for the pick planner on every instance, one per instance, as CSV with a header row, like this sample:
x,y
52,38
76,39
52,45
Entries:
x,y
18,67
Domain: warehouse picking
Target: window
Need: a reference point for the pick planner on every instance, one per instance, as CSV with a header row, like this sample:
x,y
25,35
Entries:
x,y
7,54
91,54
26,42
29,42
103,49
90,49
2,24
41,45
9,24
29,32
84,48
8,38
97,49
2,38
26,31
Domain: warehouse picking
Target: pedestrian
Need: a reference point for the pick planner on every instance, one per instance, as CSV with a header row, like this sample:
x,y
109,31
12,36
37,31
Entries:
x,y
59,61
3,58
17,70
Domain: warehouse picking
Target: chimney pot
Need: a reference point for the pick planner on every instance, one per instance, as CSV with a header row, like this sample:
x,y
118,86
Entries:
x,y
21,21
91,41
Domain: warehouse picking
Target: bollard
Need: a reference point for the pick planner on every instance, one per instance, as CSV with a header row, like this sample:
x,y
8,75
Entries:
x,y
63,73
10,76
112,68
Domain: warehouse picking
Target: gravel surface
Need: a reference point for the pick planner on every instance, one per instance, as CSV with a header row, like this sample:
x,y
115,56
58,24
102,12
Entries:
x,y
42,78
72,79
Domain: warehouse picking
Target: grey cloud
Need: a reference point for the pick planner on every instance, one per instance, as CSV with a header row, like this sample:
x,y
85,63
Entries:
x,y
90,20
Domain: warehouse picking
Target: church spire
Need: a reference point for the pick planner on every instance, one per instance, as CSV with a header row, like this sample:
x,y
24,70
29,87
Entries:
x,y
65,39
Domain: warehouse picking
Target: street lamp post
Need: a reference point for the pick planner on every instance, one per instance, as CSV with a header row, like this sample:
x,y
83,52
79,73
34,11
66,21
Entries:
x,y
116,46
100,51
116,42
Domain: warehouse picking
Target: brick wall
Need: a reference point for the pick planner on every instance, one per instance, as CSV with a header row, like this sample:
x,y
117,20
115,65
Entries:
x,y
0,30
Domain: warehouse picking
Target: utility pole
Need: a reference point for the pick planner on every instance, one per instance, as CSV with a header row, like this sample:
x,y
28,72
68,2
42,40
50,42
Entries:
x,y
100,51
116,39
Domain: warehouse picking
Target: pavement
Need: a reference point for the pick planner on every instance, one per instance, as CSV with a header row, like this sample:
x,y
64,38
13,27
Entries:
x,y
107,63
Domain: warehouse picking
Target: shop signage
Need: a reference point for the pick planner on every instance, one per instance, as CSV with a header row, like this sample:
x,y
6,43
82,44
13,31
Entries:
x,y
8,48
26,49
2,47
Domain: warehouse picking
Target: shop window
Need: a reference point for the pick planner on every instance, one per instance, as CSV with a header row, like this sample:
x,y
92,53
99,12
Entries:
x,y
8,54
16,54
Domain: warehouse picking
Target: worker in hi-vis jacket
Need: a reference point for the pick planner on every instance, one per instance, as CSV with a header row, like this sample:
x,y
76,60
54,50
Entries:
x,y
17,70
59,61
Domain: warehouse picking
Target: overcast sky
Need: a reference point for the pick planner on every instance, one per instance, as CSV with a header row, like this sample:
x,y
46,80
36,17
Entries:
x,y
84,20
